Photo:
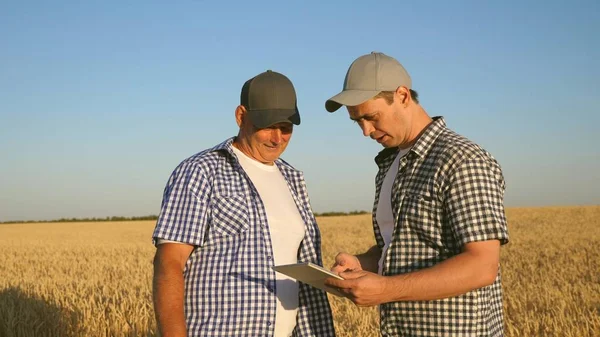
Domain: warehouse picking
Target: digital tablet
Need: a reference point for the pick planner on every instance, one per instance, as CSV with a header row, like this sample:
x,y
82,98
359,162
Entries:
x,y
310,274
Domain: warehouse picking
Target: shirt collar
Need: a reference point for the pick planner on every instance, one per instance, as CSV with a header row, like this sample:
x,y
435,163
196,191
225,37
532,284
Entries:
x,y
423,143
225,146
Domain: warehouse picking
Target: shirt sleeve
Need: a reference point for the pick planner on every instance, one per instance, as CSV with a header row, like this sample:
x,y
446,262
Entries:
x,y
474,201
184,212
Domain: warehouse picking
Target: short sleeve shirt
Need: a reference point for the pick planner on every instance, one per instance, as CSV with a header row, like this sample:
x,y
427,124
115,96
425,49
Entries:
x,y
448,191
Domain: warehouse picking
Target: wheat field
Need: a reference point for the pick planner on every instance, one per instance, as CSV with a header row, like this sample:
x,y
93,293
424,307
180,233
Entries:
x,y
94,279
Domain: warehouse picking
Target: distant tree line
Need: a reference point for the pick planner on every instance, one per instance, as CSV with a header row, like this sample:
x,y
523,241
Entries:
x,y
342,213
149,217
108,218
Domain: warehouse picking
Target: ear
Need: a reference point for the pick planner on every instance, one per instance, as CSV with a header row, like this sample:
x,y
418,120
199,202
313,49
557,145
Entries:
x,y
240,115
403,96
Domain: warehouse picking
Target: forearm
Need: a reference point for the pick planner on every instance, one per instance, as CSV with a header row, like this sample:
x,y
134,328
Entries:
x,y
455,276
168,293
370,259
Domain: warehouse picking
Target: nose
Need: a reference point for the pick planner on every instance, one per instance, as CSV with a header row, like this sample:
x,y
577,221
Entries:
x,y
366,128
276,136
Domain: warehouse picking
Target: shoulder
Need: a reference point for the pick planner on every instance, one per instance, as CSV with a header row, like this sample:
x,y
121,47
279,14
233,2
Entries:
x,y
463,163
204,163
454,150
289,171
283,164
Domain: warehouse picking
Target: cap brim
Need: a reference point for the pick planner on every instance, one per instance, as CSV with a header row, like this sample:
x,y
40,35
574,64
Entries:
x,y
349,98
265,118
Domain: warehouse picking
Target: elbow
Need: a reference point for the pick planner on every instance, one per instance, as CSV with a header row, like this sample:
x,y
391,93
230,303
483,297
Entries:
x,y
484,259
488,275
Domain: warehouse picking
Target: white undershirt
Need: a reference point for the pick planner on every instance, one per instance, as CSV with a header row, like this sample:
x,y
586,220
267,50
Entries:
x,y
287,232
385,216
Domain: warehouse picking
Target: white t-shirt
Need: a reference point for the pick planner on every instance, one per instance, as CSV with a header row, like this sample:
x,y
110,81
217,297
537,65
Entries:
x,y
287,232
385,217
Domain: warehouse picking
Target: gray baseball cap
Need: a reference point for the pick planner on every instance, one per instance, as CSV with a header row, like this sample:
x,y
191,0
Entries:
x,y
367,76
270,98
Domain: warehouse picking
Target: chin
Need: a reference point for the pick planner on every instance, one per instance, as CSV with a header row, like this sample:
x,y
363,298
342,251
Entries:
x,y
388,145
270,157
273,152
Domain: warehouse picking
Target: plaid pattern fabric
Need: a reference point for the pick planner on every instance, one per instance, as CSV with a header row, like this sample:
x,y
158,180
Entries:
x,y
448,191
209,202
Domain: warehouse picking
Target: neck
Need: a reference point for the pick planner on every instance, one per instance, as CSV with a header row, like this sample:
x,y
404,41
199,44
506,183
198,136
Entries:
x,y
420,124
243,146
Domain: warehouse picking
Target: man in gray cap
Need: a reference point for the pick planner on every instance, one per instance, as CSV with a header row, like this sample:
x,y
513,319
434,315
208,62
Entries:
x,y
438,215
229,214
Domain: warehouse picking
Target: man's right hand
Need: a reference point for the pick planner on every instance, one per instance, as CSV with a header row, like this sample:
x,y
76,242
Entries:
x,y
346,262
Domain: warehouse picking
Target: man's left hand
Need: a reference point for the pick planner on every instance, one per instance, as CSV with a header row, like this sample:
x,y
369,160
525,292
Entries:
x,y
362,287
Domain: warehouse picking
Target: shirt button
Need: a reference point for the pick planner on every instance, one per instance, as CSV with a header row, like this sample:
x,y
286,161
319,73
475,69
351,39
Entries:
x,y
268,323
268,257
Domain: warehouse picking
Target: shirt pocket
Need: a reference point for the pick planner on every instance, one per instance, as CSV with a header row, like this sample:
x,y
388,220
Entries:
x,y
420,215
230,215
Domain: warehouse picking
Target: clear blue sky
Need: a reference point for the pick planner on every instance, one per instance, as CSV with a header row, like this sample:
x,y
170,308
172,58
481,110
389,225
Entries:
x,y
100,101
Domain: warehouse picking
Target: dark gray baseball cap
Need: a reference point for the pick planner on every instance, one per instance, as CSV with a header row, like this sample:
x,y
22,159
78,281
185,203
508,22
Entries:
x,y
270,98
367,76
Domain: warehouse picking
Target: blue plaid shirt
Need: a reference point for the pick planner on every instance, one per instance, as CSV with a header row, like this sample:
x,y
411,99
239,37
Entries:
x,y
210,202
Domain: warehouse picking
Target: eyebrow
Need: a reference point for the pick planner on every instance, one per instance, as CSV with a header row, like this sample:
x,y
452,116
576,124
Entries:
x,y
356,119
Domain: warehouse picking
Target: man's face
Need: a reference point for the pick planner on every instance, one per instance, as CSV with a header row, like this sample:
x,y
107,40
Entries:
x,y
265,145
388,124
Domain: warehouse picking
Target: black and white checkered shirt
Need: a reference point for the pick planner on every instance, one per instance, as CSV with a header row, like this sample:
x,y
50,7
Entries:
x,y
230,287
448,192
